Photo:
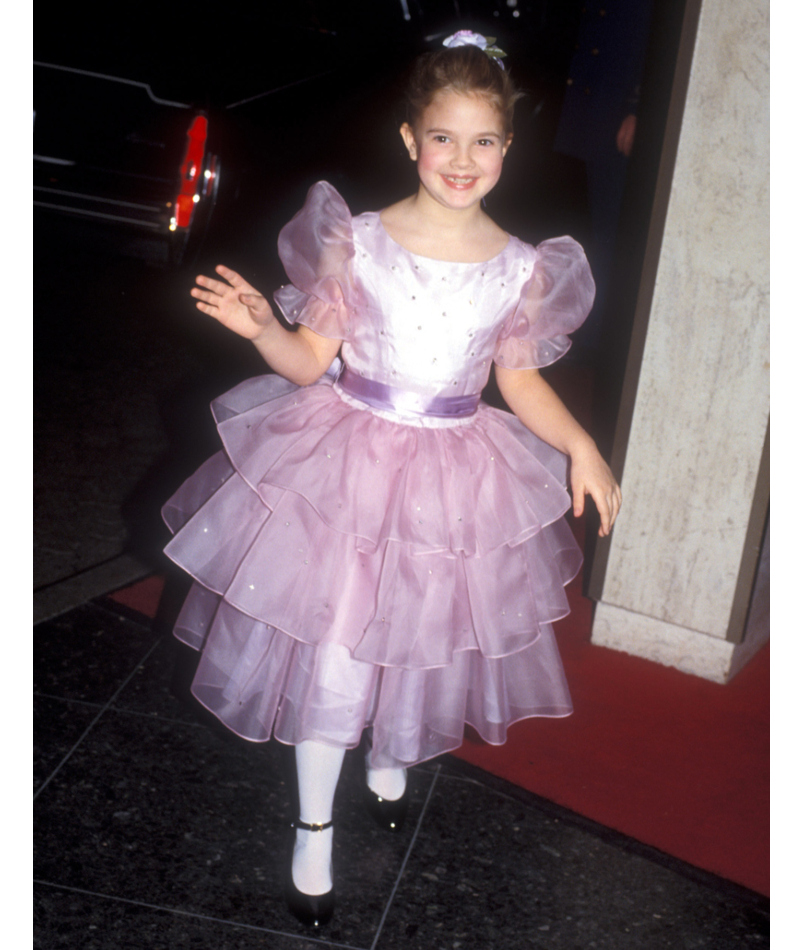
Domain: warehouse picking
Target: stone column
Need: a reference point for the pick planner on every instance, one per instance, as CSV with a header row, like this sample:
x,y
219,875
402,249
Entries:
x,y
675,581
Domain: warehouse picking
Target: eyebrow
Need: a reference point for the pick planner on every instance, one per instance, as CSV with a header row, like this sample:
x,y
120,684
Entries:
x,y
480,135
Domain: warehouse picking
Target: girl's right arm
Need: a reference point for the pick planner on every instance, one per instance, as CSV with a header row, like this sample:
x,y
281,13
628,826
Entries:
x,y
301,356
537,406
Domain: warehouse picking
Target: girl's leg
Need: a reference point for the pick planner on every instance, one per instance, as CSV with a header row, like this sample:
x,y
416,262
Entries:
x,y
318,768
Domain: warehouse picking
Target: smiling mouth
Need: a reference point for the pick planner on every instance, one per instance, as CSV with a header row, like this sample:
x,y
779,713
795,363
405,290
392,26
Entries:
x,y
457,182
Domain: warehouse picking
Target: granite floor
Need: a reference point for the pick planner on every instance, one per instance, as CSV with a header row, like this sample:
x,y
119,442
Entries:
x,y
155,829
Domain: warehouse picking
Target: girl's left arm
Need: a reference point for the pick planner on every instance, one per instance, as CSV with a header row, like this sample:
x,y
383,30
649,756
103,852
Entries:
x,y
537,406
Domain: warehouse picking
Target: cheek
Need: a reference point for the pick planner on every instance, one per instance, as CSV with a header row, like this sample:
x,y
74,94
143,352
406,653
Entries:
x,y
494,166
429,168
427,160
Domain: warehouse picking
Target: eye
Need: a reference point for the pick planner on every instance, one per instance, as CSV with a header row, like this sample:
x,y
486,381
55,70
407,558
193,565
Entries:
x,y
440,138
487,142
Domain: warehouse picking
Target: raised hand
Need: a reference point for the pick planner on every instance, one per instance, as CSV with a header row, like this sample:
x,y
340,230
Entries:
x,y
589,475
233,302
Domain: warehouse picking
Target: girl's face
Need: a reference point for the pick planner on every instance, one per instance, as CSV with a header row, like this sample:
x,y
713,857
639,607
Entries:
x,y
459,144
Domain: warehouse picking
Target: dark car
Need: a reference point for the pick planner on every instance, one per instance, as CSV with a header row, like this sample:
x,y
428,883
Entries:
x,y
109,149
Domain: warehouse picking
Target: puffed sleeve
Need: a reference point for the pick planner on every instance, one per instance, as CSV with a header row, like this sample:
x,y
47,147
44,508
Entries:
x,y
554,302
316,248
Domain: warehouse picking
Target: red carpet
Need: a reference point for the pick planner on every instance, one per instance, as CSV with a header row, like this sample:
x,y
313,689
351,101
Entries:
x,y
671,760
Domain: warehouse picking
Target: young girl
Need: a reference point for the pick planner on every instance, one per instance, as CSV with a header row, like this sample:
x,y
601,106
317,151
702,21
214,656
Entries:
x,y
378,549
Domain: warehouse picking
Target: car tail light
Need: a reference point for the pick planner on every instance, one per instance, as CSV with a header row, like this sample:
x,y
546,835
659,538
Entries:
x,y
195,180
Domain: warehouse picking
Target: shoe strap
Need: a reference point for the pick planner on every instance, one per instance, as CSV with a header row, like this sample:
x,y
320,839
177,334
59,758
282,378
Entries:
x,y
315,827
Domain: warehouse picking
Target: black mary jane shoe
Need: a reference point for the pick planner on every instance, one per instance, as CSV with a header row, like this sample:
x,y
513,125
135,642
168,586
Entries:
x,y
389,815
312,910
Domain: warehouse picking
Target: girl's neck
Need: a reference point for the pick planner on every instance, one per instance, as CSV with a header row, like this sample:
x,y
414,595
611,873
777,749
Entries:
x,y
423,226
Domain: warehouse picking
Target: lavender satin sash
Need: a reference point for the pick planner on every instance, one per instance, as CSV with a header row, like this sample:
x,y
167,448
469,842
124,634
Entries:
x,y
382,396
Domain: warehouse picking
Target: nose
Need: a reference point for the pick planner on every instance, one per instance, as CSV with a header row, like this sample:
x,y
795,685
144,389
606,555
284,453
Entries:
x,y
462,157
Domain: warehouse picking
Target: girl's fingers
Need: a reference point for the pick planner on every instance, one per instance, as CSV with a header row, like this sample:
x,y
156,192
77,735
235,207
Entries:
x,y
231,277
203,294
215,302
215,286
205,290
604,511
607,509
234,279
577,500
609,515
607,499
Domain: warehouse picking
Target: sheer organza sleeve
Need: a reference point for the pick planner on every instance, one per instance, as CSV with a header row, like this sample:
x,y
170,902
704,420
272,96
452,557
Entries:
x,y
554,302
316,248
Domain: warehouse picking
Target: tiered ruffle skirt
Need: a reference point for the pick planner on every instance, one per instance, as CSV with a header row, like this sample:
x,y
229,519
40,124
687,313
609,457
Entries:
x,y
352,571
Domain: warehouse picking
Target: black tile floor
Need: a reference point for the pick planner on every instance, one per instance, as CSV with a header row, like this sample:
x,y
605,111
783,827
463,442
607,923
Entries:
x,y
155,829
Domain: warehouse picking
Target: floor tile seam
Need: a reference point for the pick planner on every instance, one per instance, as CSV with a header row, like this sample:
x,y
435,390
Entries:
x,y
406,857
96,719
156,717
152,717
67,699
507,796
195,916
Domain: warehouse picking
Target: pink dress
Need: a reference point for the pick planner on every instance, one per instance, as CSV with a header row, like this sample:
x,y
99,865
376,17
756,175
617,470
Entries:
x,y
392,558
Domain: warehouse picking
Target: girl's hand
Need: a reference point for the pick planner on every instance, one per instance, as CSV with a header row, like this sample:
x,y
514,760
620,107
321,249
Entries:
x,y
590,475
233,302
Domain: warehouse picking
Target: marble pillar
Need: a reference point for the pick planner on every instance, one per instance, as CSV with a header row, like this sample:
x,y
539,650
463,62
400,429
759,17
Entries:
x,y
675,581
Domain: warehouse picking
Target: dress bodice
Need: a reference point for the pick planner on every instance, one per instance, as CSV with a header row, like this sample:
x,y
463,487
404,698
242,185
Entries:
x,y
423,325
426,325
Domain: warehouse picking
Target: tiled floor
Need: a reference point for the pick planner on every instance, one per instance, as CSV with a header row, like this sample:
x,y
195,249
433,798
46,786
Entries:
x,y
155,829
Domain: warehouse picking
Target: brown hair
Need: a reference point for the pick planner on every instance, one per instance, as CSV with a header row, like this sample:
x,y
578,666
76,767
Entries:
x,y
463,69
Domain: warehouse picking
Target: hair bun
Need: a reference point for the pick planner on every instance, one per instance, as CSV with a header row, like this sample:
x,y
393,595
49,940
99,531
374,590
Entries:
x,y
485,43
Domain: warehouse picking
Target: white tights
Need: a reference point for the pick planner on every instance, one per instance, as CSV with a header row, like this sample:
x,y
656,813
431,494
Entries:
x,y
318,769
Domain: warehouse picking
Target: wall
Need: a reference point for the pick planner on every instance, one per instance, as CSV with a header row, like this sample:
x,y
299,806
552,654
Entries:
x,y
681,563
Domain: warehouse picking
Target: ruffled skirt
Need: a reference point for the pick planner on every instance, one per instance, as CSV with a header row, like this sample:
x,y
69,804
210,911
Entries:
x,y
352,571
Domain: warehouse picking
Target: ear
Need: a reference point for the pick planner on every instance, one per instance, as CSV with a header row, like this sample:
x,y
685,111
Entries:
x,y
507,144
407,134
